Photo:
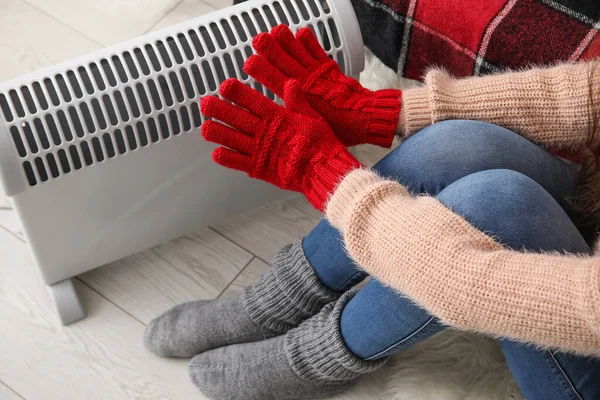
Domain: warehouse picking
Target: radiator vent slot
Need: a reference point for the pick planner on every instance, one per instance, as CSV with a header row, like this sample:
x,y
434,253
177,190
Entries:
x,y
124,101
8,116
39,94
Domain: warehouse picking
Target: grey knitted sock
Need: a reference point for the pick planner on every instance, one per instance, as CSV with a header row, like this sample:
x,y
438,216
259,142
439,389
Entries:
x,y
284,296
310,361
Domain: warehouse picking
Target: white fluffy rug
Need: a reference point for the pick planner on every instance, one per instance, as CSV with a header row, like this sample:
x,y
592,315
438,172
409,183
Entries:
x,y
449,366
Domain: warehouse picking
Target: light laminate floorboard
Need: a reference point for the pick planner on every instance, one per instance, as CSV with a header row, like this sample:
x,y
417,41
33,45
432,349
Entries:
x,y
30,39
263,231
184,11
107,21
193,267
247,277
101,357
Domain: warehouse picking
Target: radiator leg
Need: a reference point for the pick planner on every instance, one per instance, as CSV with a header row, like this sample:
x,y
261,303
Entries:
x,y
67,302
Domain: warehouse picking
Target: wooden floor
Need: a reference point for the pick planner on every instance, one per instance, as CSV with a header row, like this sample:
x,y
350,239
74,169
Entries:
x,y
102,357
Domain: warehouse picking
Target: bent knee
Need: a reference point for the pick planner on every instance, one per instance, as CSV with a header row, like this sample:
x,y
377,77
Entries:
x,y
448,150
496,190
515,209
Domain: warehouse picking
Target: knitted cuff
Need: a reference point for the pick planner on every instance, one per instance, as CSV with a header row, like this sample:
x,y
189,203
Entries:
x,y
286,294
355,187
417,112
322,181
316,349
383,111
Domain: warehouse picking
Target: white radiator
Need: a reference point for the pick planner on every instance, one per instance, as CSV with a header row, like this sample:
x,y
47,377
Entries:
x,y
102,155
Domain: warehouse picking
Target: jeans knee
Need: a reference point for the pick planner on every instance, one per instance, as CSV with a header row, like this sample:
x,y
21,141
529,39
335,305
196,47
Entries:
x,y
494,189
448,148
515,209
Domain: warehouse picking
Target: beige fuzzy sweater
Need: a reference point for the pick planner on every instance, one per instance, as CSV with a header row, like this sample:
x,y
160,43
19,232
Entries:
x,y
456,272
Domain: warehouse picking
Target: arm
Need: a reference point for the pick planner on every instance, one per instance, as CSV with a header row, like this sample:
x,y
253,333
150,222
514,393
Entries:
x,y
413,244
551,106
424,250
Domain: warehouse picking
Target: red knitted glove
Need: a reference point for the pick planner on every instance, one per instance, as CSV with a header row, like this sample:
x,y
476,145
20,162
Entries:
x,y
357,115
292,147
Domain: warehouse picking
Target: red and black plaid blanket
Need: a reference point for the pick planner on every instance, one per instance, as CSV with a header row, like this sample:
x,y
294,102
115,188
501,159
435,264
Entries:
x,y
475,37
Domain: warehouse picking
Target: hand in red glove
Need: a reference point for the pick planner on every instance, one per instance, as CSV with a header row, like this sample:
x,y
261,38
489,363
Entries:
x,y
292,148
357,115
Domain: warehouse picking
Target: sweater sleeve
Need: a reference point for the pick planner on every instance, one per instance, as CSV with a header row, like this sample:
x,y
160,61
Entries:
x,y
551,106
459,274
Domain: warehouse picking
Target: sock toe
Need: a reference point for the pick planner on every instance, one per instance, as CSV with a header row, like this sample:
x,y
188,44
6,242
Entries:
x,y
161,334
209,376
284,296
250,371
192,328
310,361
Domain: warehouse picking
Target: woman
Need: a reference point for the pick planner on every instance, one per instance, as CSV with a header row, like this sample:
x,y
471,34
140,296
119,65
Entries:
x,y
301,331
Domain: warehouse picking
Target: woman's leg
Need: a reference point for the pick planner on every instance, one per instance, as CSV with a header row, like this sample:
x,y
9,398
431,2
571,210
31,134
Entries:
x,y
317,358
429,161
519,212
284,296
351,336
551,374
305,277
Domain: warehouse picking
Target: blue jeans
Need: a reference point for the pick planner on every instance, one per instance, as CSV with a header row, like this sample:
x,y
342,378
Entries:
x,y
505,186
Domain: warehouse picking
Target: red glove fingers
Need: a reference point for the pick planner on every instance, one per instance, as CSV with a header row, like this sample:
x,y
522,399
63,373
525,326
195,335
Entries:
x,y
268,47
307,39
214,131
357,115
248,98
264,72
292,147
232,159
235,116
296,49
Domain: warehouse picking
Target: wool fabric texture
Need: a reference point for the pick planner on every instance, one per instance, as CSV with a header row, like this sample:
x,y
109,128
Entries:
x,y
459,274
310,361
356,115
456,272
549,106
284,296
419,247
292,148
